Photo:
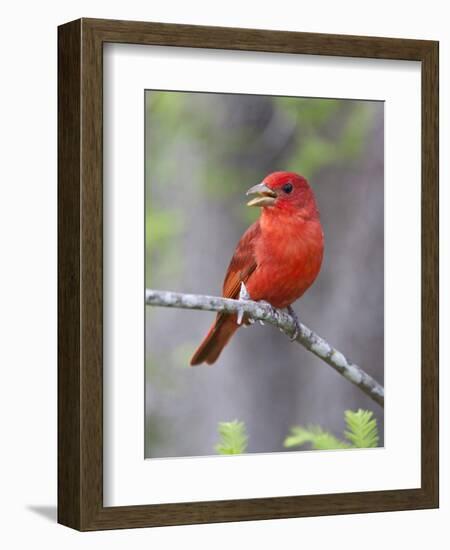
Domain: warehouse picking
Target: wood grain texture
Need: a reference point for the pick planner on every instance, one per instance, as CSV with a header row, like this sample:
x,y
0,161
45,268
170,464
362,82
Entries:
x,y
430,273
80,265
69,245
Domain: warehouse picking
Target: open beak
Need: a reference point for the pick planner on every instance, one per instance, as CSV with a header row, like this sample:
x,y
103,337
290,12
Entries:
x,y
264,195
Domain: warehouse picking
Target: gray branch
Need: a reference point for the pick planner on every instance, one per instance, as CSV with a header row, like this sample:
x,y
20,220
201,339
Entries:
x,y
260,311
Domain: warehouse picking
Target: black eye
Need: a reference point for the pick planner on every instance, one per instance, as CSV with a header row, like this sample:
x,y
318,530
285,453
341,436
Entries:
x,y
287,187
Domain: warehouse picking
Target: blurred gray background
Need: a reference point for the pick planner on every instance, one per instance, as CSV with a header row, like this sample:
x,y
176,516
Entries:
x,y
203,151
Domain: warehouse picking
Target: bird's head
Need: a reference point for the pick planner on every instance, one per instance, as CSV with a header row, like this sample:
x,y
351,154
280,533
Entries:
x,y
284,191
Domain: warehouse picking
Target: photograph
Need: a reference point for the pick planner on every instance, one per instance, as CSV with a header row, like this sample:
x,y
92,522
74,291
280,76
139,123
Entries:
x,y
275,201
225,259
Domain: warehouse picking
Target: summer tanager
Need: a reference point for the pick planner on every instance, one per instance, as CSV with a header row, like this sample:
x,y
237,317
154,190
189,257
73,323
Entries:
x,y
277,259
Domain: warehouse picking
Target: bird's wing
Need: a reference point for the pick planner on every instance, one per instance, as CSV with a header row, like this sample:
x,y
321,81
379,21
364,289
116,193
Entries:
x,y
243,263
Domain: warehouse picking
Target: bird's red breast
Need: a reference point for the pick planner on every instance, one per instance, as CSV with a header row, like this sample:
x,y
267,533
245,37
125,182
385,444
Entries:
x,y
278,257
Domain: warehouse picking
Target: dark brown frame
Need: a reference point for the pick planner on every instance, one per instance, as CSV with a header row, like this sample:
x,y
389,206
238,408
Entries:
x,y
80,273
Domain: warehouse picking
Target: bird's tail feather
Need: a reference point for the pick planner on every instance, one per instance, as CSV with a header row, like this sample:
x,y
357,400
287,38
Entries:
x,y
217,338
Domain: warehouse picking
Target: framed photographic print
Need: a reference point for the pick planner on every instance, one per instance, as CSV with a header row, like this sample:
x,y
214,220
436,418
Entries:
x,y
248,258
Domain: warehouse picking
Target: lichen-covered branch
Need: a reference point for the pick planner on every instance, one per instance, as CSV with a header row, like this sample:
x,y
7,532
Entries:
x,y
260,311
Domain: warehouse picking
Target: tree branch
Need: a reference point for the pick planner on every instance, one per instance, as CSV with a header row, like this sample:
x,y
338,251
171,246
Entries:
x,y
260,311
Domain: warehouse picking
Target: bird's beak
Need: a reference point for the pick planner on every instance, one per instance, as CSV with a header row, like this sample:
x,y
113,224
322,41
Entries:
x,y
264,195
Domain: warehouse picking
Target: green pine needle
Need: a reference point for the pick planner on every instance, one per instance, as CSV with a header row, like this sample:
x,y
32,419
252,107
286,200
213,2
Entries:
x,y
233,438
362,429
318,438
362,433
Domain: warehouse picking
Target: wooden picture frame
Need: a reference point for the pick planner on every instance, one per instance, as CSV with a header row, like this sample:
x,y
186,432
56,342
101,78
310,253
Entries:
x,y
80,272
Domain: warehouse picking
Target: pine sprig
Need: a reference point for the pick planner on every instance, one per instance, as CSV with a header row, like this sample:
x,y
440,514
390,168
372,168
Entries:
x,y
362,429
233,438
361,432
318,438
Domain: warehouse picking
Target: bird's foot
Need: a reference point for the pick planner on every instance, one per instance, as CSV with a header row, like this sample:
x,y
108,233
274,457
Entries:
x,y
296,332
243,296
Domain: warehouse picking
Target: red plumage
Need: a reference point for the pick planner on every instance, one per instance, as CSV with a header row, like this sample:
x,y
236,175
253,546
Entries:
x,y
278,257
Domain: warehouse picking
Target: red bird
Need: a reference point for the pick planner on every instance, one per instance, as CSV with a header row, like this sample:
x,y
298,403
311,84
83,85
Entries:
x,y
277,259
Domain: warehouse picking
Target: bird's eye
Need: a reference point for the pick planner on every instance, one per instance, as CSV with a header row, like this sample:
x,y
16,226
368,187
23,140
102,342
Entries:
x,y
287,187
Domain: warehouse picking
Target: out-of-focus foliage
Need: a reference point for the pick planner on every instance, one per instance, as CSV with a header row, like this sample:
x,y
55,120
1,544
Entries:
x,y
362,432
233,438
202,152
362,429
316,436
322,144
